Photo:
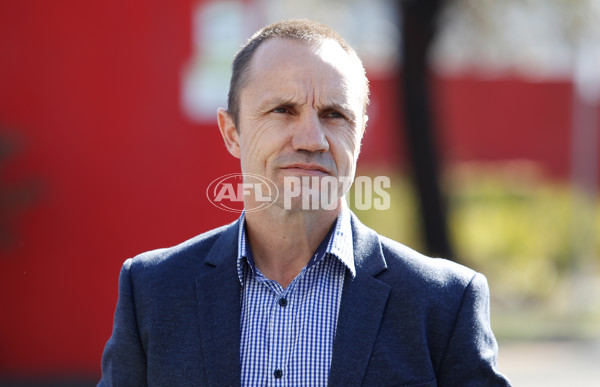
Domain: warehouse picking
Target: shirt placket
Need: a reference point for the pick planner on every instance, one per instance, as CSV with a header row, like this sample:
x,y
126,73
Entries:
x,y
282,332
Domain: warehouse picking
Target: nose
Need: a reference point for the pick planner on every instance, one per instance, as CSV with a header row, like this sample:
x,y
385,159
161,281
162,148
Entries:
x,y
309,136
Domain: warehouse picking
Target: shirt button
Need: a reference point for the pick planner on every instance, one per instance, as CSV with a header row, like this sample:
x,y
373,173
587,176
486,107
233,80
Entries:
x,y
278,374
283,302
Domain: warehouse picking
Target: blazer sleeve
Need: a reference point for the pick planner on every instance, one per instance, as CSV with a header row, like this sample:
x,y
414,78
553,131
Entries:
x,y
471,355
124,358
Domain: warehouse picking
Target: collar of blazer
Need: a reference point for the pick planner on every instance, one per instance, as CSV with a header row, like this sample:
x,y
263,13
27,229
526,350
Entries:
x,y
368,255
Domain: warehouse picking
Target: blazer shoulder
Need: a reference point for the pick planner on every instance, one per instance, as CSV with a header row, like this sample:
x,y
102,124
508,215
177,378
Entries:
x,y
193,250
415,267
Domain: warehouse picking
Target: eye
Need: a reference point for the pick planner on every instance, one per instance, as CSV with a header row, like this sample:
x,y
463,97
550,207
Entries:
x,y
335,115
281,110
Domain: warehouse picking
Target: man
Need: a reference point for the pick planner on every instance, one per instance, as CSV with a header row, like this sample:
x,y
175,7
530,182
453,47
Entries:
x,y
291,295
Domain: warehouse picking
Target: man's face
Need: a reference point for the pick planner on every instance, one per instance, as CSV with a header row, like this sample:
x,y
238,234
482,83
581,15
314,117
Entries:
x,y
301,112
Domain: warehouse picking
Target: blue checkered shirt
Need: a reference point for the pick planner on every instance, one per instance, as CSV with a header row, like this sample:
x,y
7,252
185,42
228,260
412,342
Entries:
x,y
287,334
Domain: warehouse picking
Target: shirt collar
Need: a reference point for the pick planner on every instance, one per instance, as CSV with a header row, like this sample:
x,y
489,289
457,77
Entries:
x,y
339,245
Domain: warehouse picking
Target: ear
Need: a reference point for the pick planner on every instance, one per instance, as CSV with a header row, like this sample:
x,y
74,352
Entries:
x,y
229,132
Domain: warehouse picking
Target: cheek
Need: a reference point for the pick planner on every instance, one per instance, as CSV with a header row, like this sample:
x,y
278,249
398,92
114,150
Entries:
x,y
261,142
352,142
345,151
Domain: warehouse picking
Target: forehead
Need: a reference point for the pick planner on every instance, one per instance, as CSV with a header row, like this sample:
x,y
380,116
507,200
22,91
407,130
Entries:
x,y
286,51
321,67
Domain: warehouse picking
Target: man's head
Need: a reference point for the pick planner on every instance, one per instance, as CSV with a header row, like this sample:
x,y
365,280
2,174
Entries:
x,y
303,30
298,107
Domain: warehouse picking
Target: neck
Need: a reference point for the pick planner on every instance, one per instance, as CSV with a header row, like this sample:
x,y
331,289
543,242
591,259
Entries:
x,y
283,241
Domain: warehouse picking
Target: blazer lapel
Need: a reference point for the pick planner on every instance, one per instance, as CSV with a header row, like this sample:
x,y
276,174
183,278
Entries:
x,y
363,303
218,294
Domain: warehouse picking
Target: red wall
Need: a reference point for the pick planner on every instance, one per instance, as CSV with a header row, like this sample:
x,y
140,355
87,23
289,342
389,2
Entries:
x,y
91,90
506,119
89,93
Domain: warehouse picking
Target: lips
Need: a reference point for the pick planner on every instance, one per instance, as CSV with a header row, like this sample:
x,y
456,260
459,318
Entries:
x,y
310,169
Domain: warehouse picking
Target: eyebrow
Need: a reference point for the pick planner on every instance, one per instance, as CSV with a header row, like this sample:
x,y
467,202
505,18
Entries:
x,y
343,108
276,101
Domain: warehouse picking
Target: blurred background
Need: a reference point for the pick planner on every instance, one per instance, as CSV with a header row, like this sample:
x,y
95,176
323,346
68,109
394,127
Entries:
x,y
485,115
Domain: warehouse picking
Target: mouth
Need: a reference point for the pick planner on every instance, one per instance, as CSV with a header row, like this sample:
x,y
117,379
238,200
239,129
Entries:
x,y
306,169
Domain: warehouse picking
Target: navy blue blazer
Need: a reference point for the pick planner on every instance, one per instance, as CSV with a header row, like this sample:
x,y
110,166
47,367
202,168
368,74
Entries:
x,y
404,320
